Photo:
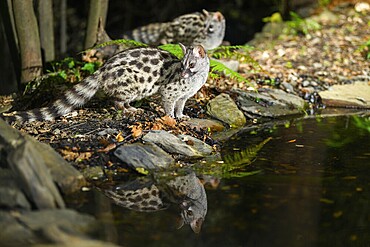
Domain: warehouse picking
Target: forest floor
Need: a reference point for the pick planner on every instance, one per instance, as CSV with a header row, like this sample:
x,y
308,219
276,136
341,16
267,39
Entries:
x,y
302,57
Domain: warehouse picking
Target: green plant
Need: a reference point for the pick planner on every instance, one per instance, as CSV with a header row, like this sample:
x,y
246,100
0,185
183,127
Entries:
x,y
298,25
365,49
69,68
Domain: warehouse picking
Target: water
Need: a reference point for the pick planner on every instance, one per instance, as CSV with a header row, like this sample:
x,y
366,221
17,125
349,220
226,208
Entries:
x,y
313,190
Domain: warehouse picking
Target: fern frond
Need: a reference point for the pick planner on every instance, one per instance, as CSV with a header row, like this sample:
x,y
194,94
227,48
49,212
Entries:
x,y
218,67
239,52
244,157
172,48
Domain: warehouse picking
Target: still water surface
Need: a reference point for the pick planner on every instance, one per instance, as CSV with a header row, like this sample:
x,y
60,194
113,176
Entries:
x,y
313,189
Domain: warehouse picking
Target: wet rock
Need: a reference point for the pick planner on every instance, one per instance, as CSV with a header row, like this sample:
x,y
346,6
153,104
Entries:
x,y
205,124
46,226
148,156
11,195
270,103
185,145
200,146
355,95
66,176
224,108
34,177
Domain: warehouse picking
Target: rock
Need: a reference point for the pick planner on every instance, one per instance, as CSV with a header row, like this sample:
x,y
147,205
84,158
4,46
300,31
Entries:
x,y
34,176
231,64
205,124
148,156
47,226
185,145
288,87
224,108
94,172
197,144
66,176
271,103
11,196
355,95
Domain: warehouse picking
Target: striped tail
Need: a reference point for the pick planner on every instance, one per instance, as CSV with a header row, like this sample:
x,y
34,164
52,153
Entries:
x,y
150,34
75,97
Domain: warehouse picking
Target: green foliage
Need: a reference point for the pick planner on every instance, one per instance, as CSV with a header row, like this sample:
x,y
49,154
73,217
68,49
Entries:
x,y
218,67
123,42
362,123
173,48
274,18
243,157
233,165
70,69
365,49
324,3
298,25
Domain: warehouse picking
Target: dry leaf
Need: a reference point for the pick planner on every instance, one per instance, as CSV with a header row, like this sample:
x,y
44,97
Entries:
x,y
119,137
84,156
136,131
169,121
108,148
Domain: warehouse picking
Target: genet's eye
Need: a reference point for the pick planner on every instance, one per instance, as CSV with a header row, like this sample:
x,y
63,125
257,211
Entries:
x,y
189,212
191,65
211,28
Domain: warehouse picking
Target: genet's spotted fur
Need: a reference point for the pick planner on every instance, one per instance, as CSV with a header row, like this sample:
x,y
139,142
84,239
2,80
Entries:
x,y
132,75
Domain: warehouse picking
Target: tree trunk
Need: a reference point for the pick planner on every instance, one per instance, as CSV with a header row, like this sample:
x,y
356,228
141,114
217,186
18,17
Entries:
x,y
10,72
63,27
46,26
29,40
98,9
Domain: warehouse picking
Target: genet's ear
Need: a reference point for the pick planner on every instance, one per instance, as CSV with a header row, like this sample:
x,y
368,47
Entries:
x,y
201,51
205,12
179,222
218,16
183,48
196,225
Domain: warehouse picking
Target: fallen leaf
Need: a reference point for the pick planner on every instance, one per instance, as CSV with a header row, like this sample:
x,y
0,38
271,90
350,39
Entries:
x,y
119,137
136,131
108,148
169,121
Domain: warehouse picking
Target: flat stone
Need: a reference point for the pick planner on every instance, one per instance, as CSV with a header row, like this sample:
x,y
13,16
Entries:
x,y
355,95
269,103
175,145
224,109
205,124
148,156
197,144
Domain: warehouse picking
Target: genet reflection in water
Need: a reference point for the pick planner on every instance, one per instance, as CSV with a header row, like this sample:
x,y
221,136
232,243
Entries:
x,y
158,192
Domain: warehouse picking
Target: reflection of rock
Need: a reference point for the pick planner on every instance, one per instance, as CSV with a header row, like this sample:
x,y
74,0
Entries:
x,y
224,108
270,103
155,193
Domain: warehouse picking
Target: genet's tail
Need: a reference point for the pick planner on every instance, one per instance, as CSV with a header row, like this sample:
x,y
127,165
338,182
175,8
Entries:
x,y
75,97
